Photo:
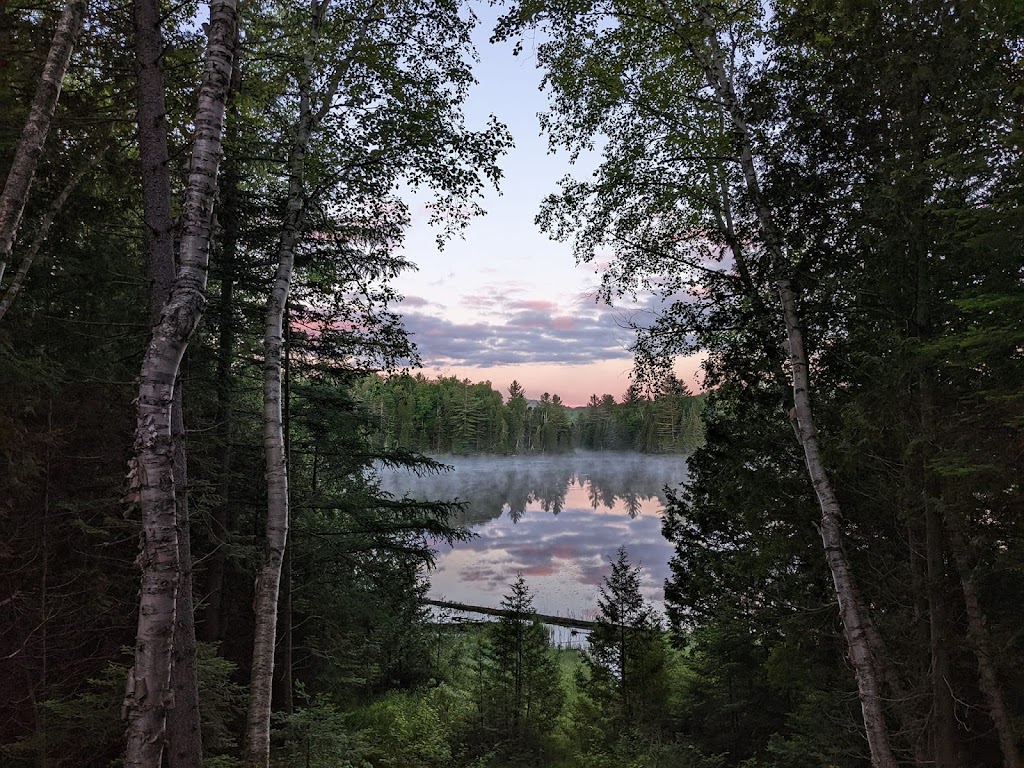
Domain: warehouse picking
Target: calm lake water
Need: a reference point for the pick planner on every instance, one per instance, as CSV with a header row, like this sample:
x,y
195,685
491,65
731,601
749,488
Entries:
x,y
555,519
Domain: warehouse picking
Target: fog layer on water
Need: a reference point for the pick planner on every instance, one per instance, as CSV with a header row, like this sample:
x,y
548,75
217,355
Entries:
x,y
556,519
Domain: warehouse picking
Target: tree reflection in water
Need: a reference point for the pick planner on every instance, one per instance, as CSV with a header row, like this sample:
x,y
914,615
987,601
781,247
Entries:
x,y
555,519
491,486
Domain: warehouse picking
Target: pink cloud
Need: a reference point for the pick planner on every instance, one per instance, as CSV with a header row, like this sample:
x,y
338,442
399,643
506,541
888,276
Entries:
x,y
536,305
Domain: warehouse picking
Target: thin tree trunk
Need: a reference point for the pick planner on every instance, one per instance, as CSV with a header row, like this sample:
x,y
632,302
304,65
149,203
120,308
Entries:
x,y
853,610
44,229
228,223
977,634
33,136
148,693
283,695
257,732
918,564
184,733
216,571
184,737
943,716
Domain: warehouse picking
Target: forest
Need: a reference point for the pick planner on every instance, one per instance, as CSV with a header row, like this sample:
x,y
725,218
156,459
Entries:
x,y
201,222
449,416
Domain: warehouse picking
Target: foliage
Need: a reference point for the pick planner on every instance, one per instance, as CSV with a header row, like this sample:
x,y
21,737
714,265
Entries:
x,y
449,416
89,723
624,684
517,687
318,736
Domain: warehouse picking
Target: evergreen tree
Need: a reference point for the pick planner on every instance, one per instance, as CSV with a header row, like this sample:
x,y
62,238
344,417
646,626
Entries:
x,y
520,695
516,410
626,678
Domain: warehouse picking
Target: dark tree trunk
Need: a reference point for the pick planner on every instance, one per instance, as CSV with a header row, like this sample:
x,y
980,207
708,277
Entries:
x,y
148,691
184,734
977,634
184,738
228,222
943,716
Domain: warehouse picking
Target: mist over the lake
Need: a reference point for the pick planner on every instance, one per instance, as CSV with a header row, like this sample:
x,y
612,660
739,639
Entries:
x,y
556,519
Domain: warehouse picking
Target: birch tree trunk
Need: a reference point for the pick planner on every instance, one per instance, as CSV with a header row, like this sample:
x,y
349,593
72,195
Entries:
x,y
183,733
853,610
44,229
33,136
184,737
257,732
851,605
148,693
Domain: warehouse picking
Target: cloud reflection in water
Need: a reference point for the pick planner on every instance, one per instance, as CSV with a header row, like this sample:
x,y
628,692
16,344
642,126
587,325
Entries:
x,y
555,519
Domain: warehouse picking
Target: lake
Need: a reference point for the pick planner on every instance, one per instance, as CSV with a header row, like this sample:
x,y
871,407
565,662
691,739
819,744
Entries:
x,y
556,519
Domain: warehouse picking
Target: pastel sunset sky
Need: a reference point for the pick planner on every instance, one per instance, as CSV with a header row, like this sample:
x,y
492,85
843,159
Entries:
x,y
505,302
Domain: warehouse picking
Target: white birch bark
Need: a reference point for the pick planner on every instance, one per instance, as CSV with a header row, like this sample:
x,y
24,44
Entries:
x,y
148,692
257,732
853,611
184,737
257,735
33,136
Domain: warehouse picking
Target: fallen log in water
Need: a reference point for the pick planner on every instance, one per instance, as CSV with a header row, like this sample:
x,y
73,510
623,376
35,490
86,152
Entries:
x,y
560,621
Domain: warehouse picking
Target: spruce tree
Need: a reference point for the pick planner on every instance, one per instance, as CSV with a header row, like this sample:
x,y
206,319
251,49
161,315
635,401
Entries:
x,y
520,696
626,679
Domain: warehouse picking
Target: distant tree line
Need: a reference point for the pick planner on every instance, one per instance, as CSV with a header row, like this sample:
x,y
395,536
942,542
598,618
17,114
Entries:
x,y
448,415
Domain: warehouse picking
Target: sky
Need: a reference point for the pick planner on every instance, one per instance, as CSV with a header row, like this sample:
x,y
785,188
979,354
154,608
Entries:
x,y
504,302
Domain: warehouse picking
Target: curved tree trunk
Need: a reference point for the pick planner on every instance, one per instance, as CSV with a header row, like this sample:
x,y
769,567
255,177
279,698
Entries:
x,y
33,136
184,737
857,626
148,694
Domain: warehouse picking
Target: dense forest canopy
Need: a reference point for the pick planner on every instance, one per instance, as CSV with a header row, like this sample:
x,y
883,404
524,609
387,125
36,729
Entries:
x,y
200,226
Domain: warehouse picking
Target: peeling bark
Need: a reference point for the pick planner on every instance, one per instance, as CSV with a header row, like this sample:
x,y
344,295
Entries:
x,y
33,136
148,694
184,736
